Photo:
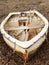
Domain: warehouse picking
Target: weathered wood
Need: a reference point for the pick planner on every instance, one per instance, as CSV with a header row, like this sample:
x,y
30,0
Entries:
x,y
25,27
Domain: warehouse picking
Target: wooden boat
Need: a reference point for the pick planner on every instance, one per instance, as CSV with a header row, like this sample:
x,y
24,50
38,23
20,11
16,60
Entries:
x,y
24,32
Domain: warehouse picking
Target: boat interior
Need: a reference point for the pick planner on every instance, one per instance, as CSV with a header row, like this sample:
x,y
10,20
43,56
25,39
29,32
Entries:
x,y
24,26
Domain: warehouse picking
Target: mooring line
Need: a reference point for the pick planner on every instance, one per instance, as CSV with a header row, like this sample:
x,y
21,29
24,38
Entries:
x,y
14,47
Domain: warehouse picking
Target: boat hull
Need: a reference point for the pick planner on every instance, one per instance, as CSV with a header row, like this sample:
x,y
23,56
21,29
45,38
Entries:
x,y
21,51
25,48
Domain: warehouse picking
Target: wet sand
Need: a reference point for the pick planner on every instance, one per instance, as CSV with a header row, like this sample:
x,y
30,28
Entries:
x,y
41,57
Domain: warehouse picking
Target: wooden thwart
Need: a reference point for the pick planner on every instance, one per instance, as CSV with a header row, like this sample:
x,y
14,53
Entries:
x,y
25,27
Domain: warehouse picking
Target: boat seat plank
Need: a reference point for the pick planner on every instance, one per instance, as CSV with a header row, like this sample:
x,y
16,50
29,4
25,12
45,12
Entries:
x,y
25,27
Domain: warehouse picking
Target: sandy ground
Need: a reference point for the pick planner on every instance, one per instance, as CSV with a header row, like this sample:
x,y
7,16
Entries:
x,y
41,57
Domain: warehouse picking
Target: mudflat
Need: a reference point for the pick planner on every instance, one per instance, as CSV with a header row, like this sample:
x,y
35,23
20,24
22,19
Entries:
x,y
7,57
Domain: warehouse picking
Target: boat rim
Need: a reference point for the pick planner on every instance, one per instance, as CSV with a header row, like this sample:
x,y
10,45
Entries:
x,y
25,44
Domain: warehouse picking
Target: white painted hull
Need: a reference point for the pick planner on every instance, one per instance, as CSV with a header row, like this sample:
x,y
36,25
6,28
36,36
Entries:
x,y
30,46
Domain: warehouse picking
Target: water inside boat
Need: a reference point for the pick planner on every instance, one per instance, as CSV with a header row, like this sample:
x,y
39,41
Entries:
x,y
24,28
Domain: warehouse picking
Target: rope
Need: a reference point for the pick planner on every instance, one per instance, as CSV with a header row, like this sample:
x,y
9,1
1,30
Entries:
x,y
14,47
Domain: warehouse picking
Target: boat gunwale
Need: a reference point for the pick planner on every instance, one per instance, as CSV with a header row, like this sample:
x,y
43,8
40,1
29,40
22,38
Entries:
x,y
25,44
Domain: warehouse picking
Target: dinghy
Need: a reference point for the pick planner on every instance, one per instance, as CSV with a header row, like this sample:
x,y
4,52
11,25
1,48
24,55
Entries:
x,y
24,31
